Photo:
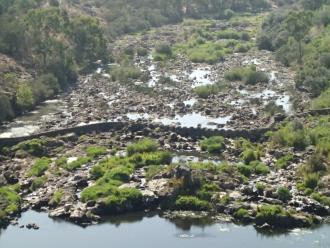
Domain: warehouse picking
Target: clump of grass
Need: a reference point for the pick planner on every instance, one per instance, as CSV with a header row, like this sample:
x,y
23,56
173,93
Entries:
x,y
249,75
57,197
191,203
145,145
204,91
96,151
39,167
10,202
284,194
254,167
283,162
74,165
37,183
34,147
213,144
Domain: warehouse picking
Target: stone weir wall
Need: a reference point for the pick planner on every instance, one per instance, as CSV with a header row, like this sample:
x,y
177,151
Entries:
x,y
254,134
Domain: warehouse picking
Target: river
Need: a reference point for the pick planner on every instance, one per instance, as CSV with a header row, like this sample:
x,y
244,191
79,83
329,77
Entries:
x,y
139,230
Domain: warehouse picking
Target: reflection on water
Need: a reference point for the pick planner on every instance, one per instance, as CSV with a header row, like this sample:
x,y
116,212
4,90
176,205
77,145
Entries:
x,y
140,230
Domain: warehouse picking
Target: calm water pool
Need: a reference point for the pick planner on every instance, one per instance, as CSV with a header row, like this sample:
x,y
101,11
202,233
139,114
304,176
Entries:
x,y
139,230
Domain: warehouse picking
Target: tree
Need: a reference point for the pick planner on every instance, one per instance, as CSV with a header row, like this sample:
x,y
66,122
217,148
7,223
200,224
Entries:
x,y
313,4
24,96
298,25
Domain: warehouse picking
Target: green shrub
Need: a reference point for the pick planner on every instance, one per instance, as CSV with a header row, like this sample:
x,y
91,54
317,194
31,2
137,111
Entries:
x,y
123,200
247,74
37,183
311,181
207,190
142,52
97,191
284,161
57,197
139,160
10,202
241,214
61,161
323,101
245,170
284,194
269,214
96,151
321,198
213,144
39,167
119,173
260,168
249,155
291,135
34,147
260,188
204,91
145,145
153,170
191,203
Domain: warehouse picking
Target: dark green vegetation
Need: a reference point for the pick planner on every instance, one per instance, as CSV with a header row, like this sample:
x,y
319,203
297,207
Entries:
x,y
214,144
300,38
204,43
124,16
314,133
9,202
115,171
206,91
249,75
50,41
39,167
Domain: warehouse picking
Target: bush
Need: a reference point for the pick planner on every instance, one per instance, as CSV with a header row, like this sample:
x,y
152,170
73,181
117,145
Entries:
x,y
34,147
260,188
321,199
56,198
311,181
97,191
291,135
207,190
123,200
247,74
145,145
39,167
245,170
191,203
10,202
139,160
96,151
284,194
269,214
204,91
323,101
241,214
249,155
260,168
120,173
283,162
213,144
37,183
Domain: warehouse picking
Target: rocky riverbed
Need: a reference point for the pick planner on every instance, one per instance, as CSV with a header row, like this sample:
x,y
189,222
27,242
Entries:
x,y
158,189
84,178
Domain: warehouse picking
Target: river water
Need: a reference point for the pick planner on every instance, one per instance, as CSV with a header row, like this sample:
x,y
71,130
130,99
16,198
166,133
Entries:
x,y
141,231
